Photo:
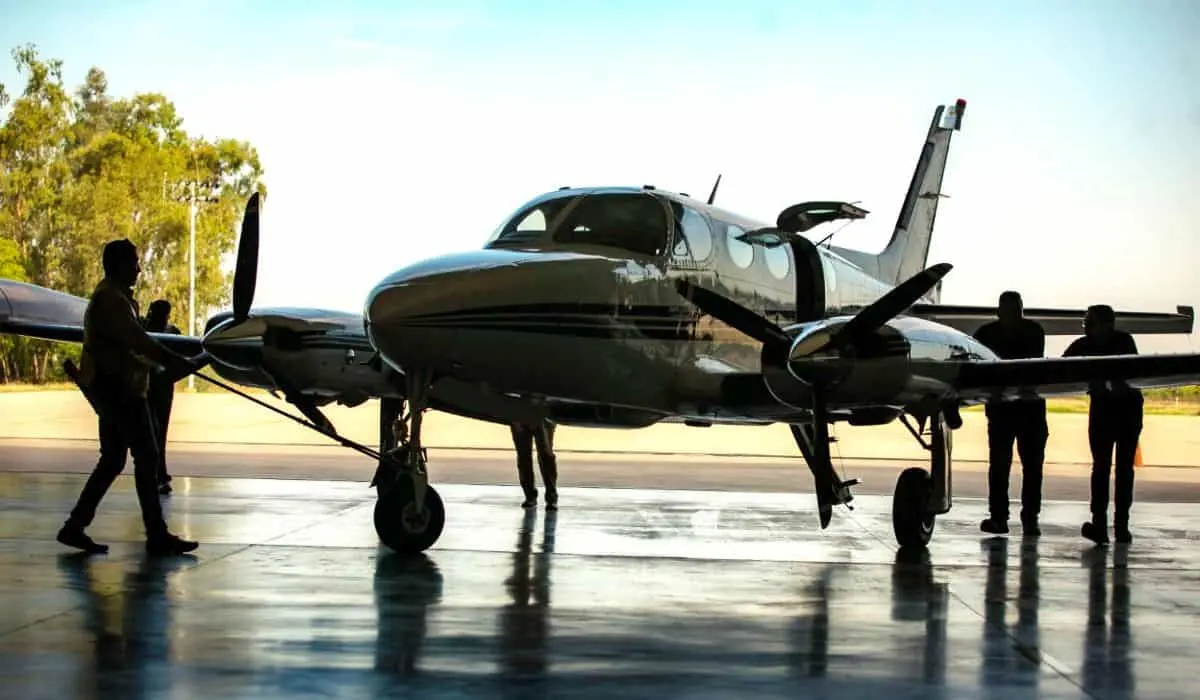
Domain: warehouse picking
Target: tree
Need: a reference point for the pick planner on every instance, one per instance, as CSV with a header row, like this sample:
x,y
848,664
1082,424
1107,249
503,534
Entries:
x,y
81,168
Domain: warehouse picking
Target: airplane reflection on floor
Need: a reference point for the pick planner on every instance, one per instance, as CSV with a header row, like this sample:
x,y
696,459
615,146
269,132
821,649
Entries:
x,y
301,614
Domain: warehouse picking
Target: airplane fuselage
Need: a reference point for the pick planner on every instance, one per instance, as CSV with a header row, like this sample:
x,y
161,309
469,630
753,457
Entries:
x,y
589,321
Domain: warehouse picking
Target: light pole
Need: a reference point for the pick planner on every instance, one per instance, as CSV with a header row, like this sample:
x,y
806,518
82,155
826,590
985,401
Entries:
x,y
191,380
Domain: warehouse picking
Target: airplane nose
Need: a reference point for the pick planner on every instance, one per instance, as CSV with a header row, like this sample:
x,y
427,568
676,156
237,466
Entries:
x,y
439,313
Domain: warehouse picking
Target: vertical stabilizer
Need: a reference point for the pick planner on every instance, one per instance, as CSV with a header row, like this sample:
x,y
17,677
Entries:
x,y
907,252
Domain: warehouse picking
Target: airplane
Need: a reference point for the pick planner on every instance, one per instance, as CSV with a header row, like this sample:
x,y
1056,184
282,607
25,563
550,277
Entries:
x,y
622,307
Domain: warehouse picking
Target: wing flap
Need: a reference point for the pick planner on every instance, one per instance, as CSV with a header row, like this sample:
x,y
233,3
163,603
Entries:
x,y
968,319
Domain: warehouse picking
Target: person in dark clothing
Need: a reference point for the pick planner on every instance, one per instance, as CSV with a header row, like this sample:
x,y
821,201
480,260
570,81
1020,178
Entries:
x,y
1114,421
162,391
114,376
1013,337
524,438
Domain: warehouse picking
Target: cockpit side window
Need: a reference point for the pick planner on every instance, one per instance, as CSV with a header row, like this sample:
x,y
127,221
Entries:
x,y
693,236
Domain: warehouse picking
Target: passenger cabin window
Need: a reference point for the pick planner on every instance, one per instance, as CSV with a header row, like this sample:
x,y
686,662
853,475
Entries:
x,y
777,261
693,237
740,252
632,222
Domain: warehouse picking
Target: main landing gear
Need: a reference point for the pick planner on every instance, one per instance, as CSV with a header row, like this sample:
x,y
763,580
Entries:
x,y
920,495
409,513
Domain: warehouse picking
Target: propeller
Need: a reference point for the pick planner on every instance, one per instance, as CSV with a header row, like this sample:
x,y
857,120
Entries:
x,y
245,274
777,343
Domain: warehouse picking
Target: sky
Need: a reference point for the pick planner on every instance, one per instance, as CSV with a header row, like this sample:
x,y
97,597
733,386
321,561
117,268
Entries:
x,y
396,131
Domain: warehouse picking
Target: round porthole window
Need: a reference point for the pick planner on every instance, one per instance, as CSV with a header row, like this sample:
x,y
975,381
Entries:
x,y
777,261
740,252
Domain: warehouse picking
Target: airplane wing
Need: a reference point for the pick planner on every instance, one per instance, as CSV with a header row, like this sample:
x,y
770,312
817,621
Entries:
x,y
36,312
1057,376
968,319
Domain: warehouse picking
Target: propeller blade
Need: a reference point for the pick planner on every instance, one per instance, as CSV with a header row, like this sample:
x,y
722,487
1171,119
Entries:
x,y
246,272
734,314
889,305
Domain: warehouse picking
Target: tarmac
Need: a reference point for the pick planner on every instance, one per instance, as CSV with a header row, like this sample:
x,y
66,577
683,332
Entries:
x,y
671,581
203,417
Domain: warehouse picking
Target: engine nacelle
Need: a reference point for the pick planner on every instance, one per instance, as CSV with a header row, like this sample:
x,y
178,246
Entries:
x,y
870,371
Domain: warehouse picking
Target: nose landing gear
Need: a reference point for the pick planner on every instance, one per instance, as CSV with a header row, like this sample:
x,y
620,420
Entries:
x,y
409,513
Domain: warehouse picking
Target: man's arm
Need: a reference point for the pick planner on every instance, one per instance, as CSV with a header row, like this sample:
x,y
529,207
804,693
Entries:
x,y
1128,346
1037,339
1075,349
117,321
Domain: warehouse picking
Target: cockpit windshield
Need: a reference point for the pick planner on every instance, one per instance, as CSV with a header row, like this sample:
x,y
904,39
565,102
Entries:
x,y
630,221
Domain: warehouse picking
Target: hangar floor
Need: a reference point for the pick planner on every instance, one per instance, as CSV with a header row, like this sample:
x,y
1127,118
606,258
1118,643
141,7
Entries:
x,y
622,593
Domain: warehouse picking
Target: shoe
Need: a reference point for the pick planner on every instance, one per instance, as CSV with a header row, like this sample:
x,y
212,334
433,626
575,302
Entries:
x,y
163,545
529,502
1123,535
1030,528
164,488
552,500
1095,532
76,538
994,526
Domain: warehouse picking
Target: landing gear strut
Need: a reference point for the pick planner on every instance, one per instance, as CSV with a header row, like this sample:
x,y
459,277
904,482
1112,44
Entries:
x,y
813,440
921,495
409,513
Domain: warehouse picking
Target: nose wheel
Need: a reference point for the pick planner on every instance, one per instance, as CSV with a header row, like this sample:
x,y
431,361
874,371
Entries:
x,y
404,523
409,513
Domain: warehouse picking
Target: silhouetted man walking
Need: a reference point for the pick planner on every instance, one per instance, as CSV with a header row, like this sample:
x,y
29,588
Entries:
x,y
1114,421
524,438
114,375
162,390
1013,337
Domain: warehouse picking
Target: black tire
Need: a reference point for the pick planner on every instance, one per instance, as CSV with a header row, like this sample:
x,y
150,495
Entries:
x,y
911,520
400,534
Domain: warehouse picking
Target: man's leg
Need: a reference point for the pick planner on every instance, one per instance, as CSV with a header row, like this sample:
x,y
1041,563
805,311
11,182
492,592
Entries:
x,y
1031,446
112,460
137,430
1127,434
164,423
522,438
547,462
1001,433
1101,442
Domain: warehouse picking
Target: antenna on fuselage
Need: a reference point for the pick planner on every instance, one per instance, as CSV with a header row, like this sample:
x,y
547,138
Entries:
x,y
713,195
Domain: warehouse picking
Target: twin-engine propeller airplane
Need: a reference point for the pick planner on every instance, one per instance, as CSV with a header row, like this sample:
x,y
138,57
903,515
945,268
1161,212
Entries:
x,y
625,307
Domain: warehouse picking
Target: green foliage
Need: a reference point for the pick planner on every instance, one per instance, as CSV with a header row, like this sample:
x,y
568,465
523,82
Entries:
x,y
78,169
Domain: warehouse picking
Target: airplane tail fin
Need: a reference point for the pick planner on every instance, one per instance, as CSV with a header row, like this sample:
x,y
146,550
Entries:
x,y
908,250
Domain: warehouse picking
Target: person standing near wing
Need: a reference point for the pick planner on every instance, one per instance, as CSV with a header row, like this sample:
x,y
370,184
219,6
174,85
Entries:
x,y
162,390
1012,337
524,438
1114,421
114,376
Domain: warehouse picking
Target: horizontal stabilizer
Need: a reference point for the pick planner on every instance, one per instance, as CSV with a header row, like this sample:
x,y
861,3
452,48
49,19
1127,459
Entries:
x,y
968,319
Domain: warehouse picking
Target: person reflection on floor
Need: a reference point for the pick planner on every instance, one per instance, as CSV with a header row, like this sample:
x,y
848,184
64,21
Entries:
x,y
1004,660
1107,662
524,625
131,632
405,588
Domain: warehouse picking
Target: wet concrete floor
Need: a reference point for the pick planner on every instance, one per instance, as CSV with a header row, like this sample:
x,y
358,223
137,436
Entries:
x,y
620,594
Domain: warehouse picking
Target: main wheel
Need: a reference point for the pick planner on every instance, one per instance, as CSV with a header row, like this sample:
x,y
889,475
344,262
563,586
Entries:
x,y
399,526
912,521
